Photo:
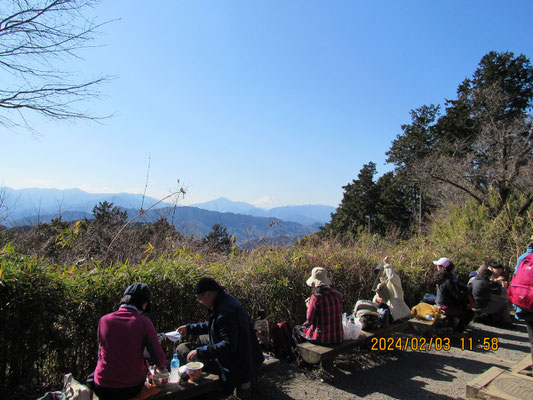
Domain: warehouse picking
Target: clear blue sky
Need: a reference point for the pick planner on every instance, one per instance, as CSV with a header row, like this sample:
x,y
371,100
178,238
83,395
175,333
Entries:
x,y
247,99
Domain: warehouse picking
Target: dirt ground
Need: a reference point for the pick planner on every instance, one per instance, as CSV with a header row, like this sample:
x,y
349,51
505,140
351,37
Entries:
x,y
367,374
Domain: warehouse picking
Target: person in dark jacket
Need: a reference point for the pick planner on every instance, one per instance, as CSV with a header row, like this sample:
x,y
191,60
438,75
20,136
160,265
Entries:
x,y
233,346
482,290
449,297
122,337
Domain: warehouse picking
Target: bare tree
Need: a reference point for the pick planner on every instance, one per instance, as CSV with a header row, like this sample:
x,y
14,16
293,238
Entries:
x,y
36,38
499,159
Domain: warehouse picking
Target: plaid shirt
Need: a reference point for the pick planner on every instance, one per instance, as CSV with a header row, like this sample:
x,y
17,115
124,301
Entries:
x,y
324,317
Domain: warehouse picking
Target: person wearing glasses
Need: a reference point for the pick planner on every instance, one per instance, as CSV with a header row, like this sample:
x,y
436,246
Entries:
x,y
232,347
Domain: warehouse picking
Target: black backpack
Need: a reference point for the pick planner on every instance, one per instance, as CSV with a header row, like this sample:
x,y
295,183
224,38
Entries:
x,y
282,341
465,295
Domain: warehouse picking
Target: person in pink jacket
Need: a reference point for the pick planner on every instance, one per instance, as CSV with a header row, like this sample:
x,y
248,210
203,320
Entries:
x,y
123,337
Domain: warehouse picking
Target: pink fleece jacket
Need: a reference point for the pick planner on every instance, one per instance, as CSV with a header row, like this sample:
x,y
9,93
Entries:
x,y
122,337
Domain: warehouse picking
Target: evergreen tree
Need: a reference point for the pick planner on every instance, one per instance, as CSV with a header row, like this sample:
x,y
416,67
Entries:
x,y
397,203
218,239
107,214
377,207
358,203
418,139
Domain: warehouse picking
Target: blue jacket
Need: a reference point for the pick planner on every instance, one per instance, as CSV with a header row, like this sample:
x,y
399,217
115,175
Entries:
x,y
233,343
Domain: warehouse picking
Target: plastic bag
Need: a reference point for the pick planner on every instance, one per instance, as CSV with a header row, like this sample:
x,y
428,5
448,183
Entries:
x,y
174,336
352,327
74,390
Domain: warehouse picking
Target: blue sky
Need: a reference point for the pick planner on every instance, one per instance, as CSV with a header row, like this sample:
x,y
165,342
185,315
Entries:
x,y
284,100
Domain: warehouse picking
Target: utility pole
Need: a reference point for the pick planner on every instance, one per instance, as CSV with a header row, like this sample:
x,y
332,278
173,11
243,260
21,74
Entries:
x,y
420,210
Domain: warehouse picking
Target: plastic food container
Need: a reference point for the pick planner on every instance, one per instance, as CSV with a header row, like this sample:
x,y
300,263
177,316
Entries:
x,y
194,370
160,379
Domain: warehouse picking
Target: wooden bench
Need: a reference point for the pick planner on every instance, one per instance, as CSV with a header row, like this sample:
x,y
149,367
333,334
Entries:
x,y
206,384
325,354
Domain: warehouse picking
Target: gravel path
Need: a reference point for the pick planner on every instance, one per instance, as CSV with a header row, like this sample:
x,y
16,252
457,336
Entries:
x,y
398,374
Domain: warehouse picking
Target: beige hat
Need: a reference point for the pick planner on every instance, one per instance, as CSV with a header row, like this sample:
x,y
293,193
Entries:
x,y
319,277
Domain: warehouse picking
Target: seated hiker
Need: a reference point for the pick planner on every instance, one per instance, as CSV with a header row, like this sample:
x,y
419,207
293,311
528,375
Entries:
x,y
389,291
122,337
431,298
471,276
497,276
324,311
450,298
483,289
442,263
232,346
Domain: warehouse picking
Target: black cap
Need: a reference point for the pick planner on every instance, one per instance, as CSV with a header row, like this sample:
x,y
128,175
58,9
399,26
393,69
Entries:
x,y
495,264
379,269
206,285
141,290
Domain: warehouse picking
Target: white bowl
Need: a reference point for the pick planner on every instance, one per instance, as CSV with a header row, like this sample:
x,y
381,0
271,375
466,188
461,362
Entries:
x,y
194,370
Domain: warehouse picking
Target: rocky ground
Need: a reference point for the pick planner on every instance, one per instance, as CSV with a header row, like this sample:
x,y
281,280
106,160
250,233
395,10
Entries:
x,y
399,374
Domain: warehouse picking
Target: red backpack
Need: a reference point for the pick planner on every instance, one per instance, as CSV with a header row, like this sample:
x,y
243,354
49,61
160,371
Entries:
x,y
520,292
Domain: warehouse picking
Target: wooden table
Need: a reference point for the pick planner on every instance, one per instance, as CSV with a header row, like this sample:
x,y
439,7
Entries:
x,y
206,384
187,390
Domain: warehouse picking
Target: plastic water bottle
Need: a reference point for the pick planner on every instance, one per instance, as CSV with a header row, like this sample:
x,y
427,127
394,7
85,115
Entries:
x,y
174,369
429,317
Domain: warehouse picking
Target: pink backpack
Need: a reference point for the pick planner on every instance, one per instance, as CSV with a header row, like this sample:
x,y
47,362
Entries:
x,y
520,292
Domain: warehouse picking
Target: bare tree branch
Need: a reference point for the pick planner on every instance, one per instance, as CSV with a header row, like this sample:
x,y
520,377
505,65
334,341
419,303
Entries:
x,y
37,36
458,186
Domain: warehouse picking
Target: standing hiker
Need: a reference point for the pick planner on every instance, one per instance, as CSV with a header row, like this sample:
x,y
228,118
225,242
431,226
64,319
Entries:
x,y
524,292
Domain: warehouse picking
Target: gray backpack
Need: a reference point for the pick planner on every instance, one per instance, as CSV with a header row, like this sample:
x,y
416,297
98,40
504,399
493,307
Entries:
x,y
368,315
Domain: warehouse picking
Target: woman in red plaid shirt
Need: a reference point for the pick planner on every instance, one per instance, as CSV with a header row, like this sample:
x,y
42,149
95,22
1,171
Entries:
x,y
324,311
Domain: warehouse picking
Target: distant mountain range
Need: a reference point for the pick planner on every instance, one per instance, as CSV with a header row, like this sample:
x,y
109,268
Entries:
x,y
306,214
26,203
246,222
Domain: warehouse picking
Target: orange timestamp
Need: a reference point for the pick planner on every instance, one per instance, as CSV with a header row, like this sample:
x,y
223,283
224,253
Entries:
x,y
486,344
408,343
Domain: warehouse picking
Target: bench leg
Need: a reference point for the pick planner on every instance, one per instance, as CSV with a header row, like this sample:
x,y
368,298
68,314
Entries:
x,y
244,392
327,368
